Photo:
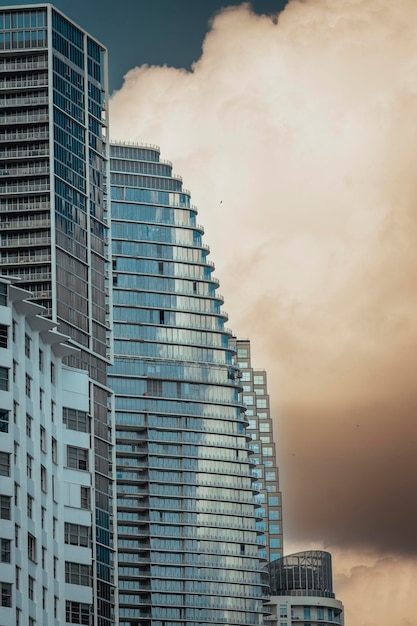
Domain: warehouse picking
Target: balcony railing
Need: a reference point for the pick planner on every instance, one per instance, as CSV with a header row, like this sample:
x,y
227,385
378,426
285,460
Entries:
x,y
22,135
25,241
29,188
25,260
22,118
23,83
40,295
28,278
22,224
17,153
9,66
13,207
19,101
34,170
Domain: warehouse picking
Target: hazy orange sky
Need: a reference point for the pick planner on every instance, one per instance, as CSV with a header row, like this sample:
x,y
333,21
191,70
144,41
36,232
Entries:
x,y
298,140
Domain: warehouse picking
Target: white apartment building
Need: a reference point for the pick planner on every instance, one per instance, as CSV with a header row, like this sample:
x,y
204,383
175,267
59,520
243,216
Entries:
x,y
46,520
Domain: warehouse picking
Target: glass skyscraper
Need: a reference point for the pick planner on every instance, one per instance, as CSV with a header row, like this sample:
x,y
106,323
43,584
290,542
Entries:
x,y
53,214
187,536
255,397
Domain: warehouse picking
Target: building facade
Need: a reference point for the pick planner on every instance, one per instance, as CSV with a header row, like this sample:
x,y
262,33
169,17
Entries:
x,y
187,536
46,552
254,395
302,591
53,214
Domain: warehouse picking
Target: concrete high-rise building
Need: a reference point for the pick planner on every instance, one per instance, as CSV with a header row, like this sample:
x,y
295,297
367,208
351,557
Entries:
x,y
187,536
46,555
53,215
302,591
255,397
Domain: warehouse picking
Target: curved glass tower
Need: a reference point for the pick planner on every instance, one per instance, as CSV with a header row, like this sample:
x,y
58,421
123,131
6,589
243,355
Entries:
x,y
188,553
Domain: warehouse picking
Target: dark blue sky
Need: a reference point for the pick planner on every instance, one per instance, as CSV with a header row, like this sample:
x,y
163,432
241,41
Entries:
x,y
156,32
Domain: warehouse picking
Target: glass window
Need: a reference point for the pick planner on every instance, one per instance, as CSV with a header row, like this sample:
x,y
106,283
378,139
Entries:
x,y
3,294
6,594
31,547
77,535
4,378
76,420
4,421
77,458
85,497
5,507
28,425
5,547
29,465
43,439
44,482
3,336
27,345
28,384
29,506
77,574
77,613
31,588
4,464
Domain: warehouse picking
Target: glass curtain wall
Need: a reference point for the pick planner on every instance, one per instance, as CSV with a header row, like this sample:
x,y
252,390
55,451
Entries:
x,y
187,536
255,397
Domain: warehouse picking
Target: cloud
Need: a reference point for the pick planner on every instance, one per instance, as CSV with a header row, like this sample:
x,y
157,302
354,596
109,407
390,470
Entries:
x,y
298,138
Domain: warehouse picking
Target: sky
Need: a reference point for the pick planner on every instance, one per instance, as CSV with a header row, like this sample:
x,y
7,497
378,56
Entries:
x,y
293,125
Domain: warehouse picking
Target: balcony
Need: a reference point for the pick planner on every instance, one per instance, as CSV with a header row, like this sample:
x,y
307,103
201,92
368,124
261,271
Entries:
x,y
140,504
24,82
26,152
25,135
33,170
23,118
24,207
12,188
34,277
12,66
23,224
41,295
24,259
24,100
20,242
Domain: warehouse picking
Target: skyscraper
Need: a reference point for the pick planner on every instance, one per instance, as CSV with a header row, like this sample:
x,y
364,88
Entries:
x,y
187,536
54,222
255,397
